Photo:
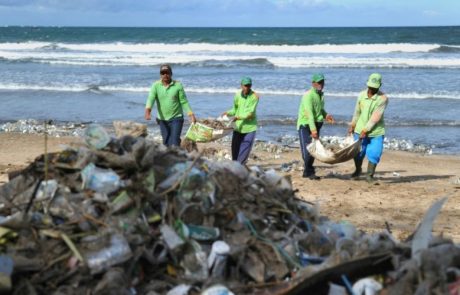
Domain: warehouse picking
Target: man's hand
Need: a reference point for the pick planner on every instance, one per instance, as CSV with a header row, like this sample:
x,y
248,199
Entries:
x,y
351,129
330,119
192,118
224,114
314,134
235,119
147,114
363,133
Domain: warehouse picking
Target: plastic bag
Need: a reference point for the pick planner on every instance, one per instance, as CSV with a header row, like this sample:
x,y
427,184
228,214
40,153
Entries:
x,y
348,150
100,180
96,136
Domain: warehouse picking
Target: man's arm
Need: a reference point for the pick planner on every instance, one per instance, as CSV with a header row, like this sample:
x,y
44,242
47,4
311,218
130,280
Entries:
x,y
377,114
150,102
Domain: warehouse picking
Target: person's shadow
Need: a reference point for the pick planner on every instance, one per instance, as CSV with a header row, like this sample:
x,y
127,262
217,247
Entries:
x,y
391,179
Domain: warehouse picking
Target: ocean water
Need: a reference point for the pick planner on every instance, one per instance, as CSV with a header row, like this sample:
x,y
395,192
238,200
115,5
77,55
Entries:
x,y
104,74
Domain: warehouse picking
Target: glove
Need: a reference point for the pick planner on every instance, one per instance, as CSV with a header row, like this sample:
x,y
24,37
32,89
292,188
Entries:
x,y
330,119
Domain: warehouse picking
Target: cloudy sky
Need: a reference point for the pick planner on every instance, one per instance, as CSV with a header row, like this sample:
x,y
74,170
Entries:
x,y
233,13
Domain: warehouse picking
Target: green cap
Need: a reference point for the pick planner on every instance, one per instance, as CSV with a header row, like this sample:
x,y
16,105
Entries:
x,y
317,77
374,81
246,81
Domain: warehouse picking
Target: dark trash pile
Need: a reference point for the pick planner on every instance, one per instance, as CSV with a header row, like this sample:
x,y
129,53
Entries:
x,y
129,216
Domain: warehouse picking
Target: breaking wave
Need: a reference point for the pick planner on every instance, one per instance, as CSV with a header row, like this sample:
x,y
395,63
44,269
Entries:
x,y
396,55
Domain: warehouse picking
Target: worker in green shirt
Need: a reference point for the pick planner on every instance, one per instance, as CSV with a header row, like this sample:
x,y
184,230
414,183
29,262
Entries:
x,y
169,95
368,124
244,111
310,120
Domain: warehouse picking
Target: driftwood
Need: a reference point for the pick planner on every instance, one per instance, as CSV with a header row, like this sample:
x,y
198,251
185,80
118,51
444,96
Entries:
x,y
319,282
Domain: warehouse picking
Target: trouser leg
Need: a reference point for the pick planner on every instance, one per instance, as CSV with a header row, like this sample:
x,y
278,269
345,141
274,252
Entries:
x,y
305,139
237,139
165,130
175,126
245,147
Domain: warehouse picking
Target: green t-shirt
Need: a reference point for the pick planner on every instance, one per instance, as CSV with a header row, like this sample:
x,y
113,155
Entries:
x,y
311,109
171,100
369,113
245,109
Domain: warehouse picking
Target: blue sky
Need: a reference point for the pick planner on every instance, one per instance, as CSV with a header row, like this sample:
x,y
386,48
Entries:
x,y
235,13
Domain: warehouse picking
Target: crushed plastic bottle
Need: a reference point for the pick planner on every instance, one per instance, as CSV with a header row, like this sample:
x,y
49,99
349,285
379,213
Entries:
x,y
112,250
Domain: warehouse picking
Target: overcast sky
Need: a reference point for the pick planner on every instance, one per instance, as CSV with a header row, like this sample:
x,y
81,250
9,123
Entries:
x,y
233,13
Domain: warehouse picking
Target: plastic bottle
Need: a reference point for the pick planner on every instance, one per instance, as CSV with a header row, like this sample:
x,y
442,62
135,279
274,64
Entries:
x,y
118,251
217,260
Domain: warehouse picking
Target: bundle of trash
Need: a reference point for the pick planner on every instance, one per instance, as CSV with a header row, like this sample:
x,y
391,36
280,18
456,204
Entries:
x,y
209,130
130,216
335,153
131,128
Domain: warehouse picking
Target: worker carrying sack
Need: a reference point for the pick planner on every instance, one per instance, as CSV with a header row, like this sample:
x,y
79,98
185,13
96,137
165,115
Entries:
x,y
342,152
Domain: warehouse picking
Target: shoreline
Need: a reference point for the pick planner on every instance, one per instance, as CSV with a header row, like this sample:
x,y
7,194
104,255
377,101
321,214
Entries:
x,y
76,129
408,183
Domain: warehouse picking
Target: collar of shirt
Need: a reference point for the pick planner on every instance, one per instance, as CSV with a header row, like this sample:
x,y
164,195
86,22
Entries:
x,y
373,97
169,85
319,92
249,93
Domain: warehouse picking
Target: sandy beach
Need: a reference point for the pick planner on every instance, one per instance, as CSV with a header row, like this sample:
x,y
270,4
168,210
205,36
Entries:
x,y
408,184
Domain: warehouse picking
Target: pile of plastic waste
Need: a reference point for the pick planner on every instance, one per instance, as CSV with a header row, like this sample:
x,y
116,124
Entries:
x,y
130,216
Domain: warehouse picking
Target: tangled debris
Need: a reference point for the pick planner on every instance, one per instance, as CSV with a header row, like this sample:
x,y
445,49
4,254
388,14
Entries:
x,y
133,217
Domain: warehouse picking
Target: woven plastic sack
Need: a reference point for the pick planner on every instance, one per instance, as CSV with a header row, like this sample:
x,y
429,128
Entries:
x,y
346,151
199,133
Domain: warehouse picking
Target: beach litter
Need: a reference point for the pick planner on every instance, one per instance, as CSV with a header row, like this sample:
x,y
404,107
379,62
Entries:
x,y
130,216
208,130
335,152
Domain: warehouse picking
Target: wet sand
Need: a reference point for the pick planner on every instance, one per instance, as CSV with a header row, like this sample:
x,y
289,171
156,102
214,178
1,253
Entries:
x,y
408,184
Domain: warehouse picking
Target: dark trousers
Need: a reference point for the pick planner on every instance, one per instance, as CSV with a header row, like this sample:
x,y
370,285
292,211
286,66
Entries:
x,y
305,139
171,130
242,145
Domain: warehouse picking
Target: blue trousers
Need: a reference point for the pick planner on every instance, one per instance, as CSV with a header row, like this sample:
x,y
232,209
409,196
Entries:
x,y
242,145
305,139
371,147
171,130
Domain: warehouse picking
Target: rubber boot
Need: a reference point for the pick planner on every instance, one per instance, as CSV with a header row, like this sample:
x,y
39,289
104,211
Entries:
x,y
358,170
370,172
